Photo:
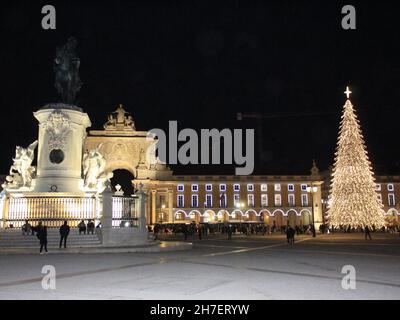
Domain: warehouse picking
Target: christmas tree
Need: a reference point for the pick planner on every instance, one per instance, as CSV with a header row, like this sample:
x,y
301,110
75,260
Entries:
x,y
353,199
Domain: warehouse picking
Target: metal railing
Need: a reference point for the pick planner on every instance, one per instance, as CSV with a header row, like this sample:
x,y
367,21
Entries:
x,y
53,211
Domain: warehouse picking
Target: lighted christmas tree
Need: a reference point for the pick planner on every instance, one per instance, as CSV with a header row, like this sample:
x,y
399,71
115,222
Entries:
x,y
353,198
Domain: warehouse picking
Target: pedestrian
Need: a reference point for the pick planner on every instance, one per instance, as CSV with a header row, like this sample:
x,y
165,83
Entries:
x,y
64,232
26,228
229,232
292,234
367,233
82,227
313,231
42,236
156,229
38,228
287,236
185,231
90,227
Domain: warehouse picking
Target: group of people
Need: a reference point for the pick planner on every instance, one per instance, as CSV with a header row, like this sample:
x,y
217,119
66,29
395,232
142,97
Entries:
x,y
202,230
41,232
86,228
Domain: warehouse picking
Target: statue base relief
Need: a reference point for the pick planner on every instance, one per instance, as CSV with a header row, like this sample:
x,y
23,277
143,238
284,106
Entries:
x,y
60,185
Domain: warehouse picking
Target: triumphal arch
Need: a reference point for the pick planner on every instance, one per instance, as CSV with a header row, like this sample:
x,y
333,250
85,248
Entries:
x,y
124,147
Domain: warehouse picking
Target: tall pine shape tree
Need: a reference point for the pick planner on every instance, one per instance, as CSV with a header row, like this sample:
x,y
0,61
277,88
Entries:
x,y
353,198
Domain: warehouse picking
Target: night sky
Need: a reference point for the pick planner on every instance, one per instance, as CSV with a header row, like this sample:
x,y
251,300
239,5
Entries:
x,y
201,62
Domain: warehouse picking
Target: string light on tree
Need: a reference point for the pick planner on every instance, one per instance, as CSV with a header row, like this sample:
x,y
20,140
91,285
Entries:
x,y
353,198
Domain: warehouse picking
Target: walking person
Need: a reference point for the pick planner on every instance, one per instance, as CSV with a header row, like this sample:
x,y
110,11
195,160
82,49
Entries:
x,y
229,232
64,232
288,236
37,229
185,232
292,234
367,233
42,235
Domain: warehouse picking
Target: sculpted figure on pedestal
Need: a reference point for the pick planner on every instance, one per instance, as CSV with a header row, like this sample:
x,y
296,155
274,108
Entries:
x,y
94,173
21,171
66,69
120,120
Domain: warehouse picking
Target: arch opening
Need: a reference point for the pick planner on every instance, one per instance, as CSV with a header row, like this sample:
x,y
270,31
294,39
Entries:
x,y
124,178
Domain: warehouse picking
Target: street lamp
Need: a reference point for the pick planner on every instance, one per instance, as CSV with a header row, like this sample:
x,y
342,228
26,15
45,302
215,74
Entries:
x,y
311,190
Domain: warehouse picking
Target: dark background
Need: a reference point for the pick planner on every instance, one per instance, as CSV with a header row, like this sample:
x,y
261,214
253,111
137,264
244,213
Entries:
x,y
201,62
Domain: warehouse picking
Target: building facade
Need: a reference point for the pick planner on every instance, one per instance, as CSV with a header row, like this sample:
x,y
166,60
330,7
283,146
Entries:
x,y
273,200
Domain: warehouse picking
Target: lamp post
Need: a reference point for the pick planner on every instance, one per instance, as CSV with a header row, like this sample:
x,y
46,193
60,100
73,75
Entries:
x,y
312,190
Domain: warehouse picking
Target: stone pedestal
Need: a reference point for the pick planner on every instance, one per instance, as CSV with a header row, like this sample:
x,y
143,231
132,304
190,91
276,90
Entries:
x,y
62,130
130,236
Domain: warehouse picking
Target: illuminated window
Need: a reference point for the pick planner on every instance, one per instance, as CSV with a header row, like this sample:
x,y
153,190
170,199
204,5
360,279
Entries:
x,y
304,200
250,200
180,201
236,200
378,187
180,187
208,200
278,200
391,199
277,187
264,200
195,187
222,200
161,200
390,187
208,187
380,198
290,187
195,200
264,187
291,200
179,216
